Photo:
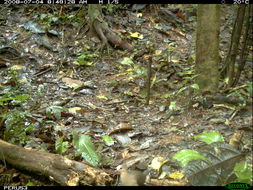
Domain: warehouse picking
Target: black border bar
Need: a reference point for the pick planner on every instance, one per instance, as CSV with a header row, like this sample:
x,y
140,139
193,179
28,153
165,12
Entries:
x,y
63,2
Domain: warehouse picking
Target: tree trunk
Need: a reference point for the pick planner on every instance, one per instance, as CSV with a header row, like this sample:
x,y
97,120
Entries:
x,y
207,47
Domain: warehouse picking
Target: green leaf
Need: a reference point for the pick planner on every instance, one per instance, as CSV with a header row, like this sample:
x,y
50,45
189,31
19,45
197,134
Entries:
x,y
83,62
140,71
188,72
243,172
127,61
54,111
158,27
143,93
42,16
61,146
173,105
181,90
110,8
85,56
153,81
249,88
86,148
185,156
195,86
22,97
54,19
30,184
5,99
108,140
210,137
17,126
166,96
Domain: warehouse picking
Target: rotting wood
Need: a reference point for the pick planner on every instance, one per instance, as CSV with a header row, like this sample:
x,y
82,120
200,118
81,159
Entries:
x,y
61,170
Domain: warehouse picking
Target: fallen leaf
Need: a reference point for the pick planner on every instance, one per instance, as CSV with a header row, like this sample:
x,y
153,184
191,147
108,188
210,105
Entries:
x,y
122,127
157,162
76,110
72,83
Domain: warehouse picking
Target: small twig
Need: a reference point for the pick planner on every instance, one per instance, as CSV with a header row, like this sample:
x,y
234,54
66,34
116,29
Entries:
x,y
148,81
42,72
234,113
233,89
117,102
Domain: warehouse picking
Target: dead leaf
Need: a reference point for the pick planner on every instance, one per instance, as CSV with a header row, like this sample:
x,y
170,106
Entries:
x,y
122,127
72,83
76,110
123,139
235,139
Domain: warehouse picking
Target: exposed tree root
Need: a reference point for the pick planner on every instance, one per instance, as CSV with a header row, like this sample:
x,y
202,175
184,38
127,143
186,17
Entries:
x,y
100,27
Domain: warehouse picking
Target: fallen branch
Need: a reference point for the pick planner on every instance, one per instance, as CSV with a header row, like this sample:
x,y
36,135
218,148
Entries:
x,y
56,167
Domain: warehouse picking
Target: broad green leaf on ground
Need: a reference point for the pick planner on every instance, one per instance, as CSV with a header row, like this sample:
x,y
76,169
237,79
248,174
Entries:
x,y
61,146
86,148
210,137
243,172
185,156
54,112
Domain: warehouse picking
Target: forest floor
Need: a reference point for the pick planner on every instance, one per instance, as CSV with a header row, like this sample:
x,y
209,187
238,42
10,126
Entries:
x,y
73,88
